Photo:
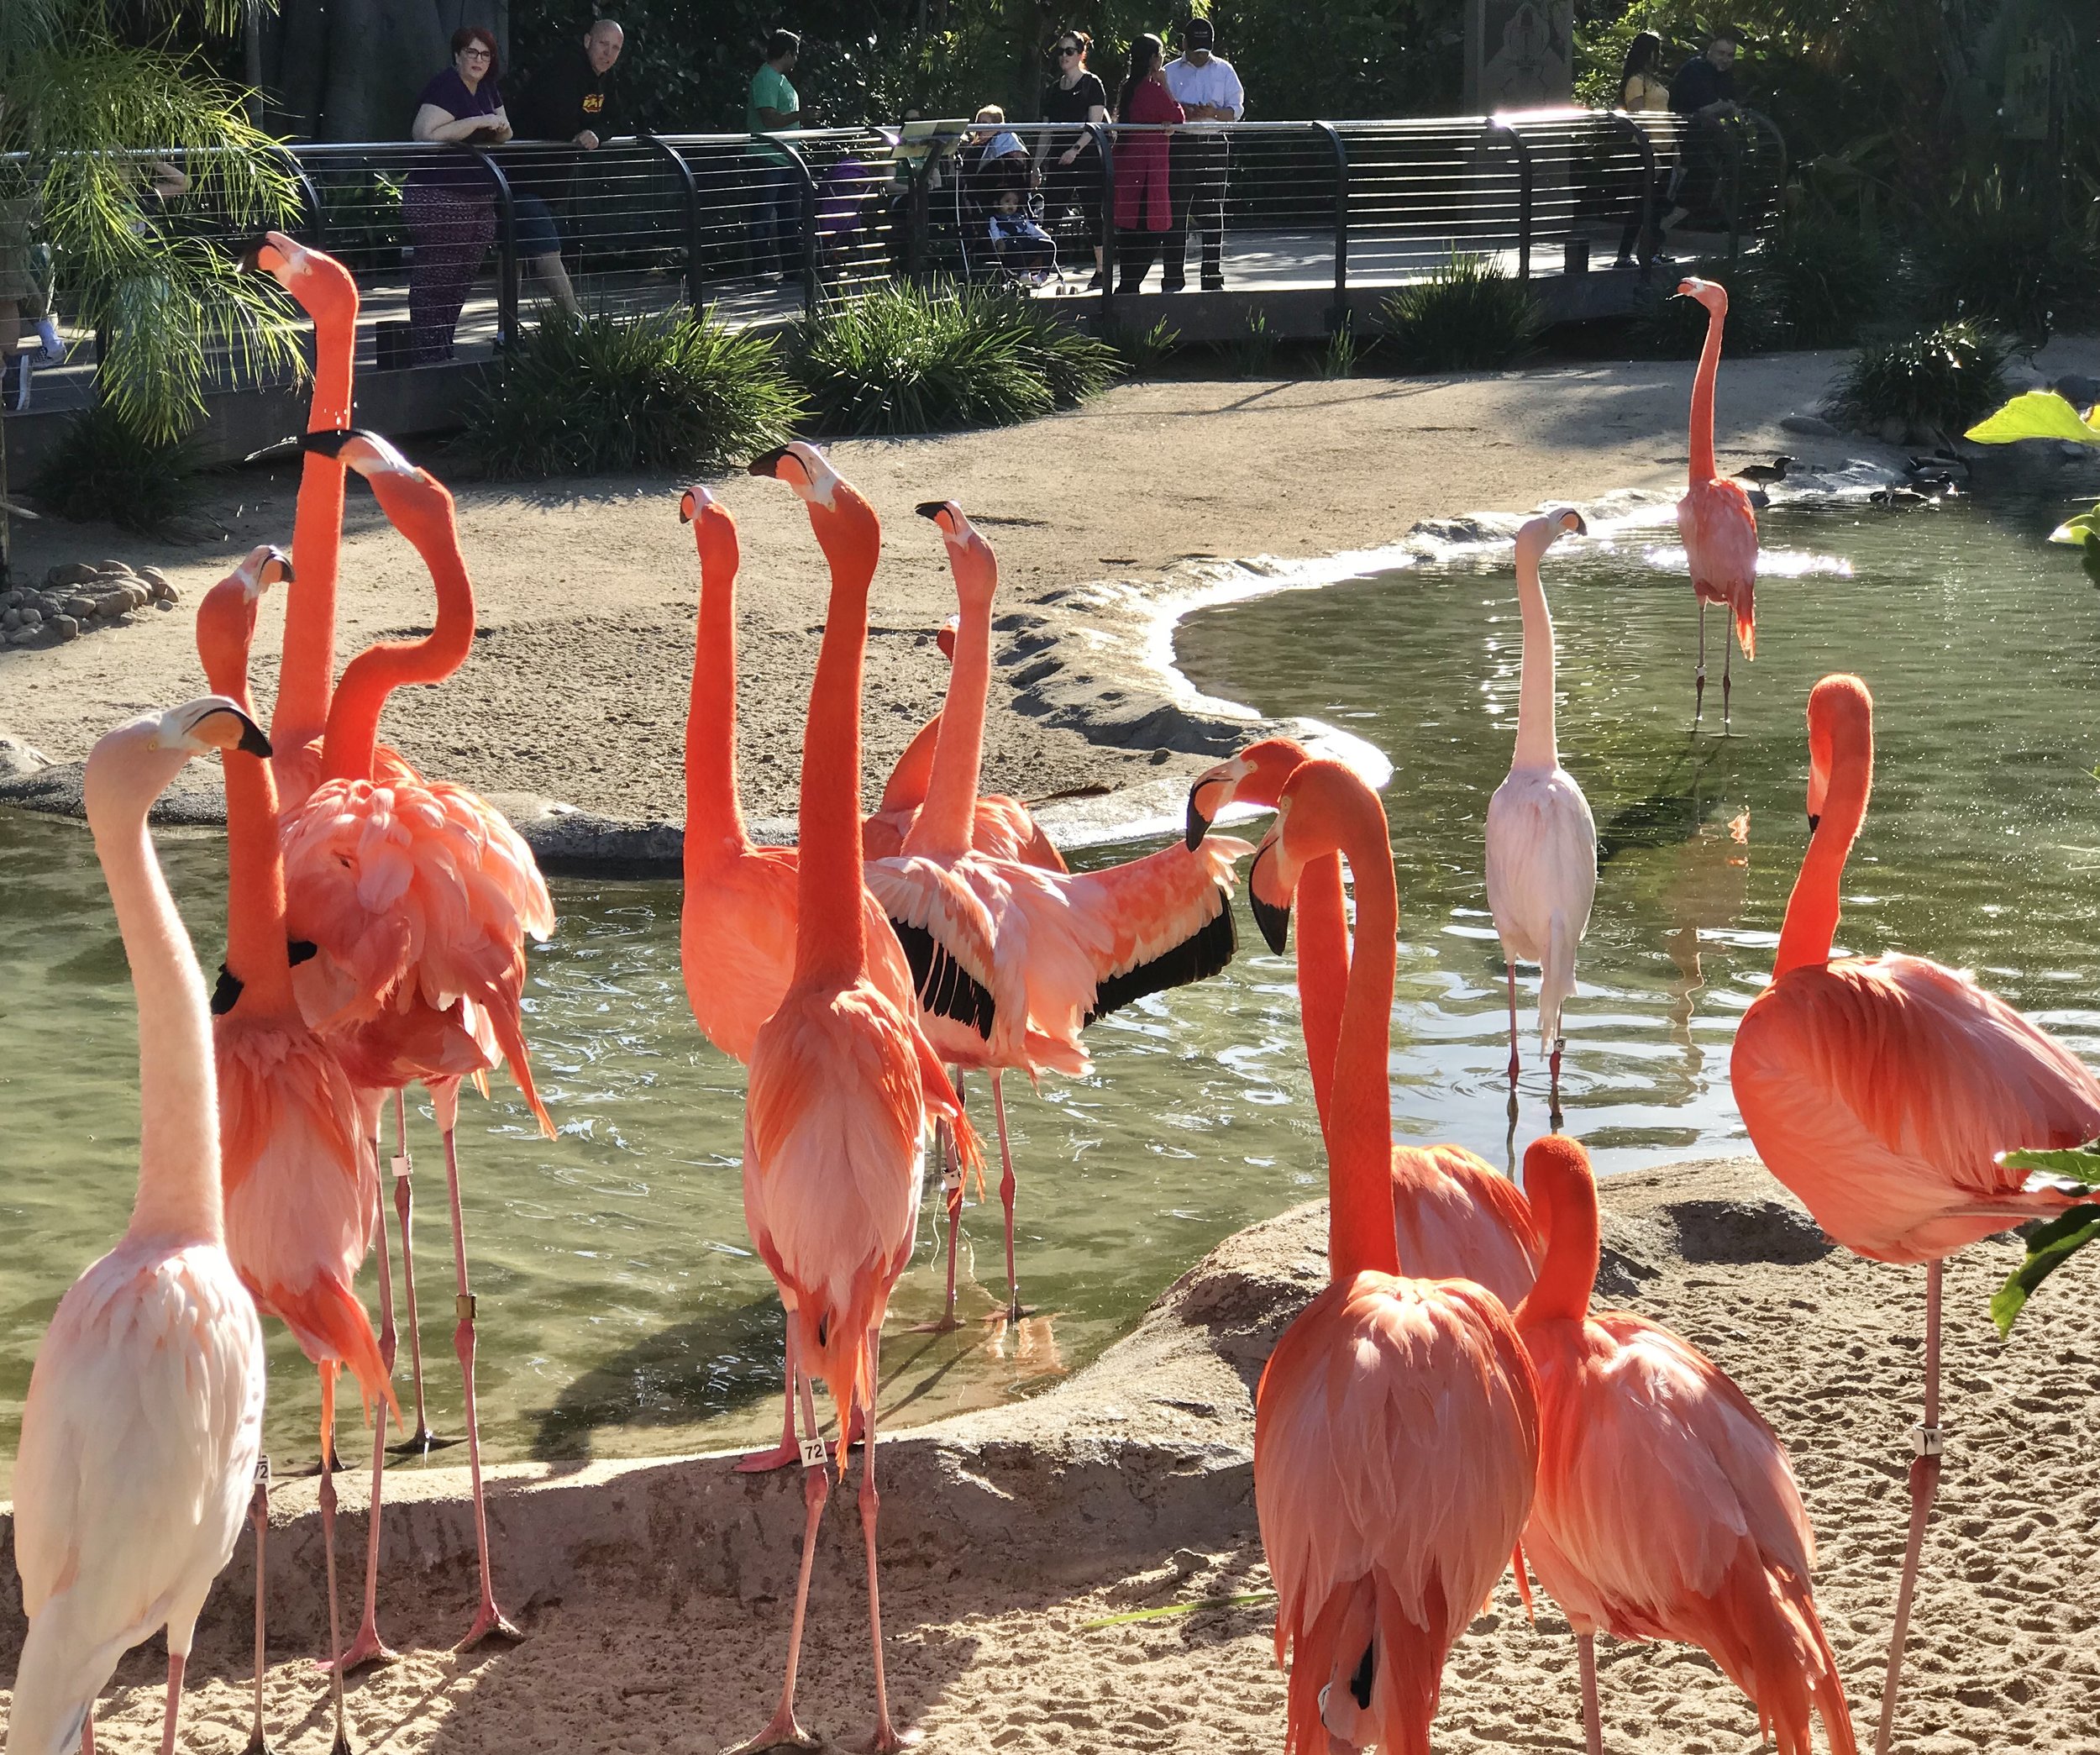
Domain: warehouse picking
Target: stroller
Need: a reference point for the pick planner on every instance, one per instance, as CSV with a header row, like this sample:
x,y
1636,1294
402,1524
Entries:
x,y
999,217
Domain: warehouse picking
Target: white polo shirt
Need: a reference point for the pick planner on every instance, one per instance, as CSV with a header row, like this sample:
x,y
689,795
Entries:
x,y
1214,82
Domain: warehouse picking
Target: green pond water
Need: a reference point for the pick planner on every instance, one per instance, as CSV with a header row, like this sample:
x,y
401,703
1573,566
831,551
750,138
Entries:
x,y
622,1311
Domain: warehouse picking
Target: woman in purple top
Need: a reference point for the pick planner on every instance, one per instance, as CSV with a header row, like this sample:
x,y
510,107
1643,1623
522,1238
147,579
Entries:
x,y
1144,208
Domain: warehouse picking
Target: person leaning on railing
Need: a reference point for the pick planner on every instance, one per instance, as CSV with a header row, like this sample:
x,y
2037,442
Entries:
x,y
1703,93
1207,90
1066,161
1640,92
573,98
777,209
1144,193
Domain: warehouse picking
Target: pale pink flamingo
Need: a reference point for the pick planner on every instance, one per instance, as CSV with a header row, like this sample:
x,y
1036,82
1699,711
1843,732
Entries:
x,y
1012,961
1666,1506
1541,839
418,897
301,1189
1715,518
143,1421
1882,1090
1396,1423
835,1120
1454,1216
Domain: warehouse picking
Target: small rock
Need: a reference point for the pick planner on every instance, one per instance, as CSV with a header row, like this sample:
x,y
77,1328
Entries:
x,y
172,594
10,619
72,572
80,609
139,592
113,603
31,617
22,636
156,578
9,599
113,568
64,627
18,758
1811,426
46,604
162,603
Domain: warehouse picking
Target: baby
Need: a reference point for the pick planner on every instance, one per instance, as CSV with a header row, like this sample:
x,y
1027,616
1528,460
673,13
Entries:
x,y
1018,241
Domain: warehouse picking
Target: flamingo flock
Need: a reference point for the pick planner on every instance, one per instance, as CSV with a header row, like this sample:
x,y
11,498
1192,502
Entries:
x,y
1449,1402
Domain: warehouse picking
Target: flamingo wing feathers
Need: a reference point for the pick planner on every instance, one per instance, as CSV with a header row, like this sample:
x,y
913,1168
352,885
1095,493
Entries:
x,y
1719,528
1156,923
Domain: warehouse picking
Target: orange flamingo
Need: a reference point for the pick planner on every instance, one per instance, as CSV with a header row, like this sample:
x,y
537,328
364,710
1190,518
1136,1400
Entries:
x,y
834,1122
1882,1090
1666,1507
418,897
1396,1424
1011,961
1714,517
301,1193
1455,1217
142,1425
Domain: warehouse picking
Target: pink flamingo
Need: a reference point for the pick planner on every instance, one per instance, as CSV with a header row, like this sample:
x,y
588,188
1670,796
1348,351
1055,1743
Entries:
x,y
301,1194
1396,1423
1715,518
836,1114
1883,1090
418,897
1666,1507
1012,961
143,1421
1541,840
1455,1217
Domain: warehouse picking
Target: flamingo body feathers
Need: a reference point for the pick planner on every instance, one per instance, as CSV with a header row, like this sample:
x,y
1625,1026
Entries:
x,y
1542,879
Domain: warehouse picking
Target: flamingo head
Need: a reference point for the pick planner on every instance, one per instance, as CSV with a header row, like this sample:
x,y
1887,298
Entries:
x,y
805,469
945,636
714,531
407,495
1561,1183
1710,293
131,766
1840,731
226,618
969,556
309,276
1322,805
1540,534
1255,776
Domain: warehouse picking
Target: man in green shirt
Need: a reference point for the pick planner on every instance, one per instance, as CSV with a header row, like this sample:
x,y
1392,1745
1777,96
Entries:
x,y
776,246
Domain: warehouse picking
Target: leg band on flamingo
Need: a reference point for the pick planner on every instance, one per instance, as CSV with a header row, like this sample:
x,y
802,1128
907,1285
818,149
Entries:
x,y
258,1518
784,1729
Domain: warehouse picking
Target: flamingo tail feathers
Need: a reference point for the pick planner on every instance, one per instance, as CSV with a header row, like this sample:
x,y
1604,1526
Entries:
x,y
328,1319
1380,1671
1746,625
500,1007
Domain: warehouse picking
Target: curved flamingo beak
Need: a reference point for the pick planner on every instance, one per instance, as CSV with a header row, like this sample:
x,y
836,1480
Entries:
x,y
692,502
357,449
213,722
1211,793
1268,894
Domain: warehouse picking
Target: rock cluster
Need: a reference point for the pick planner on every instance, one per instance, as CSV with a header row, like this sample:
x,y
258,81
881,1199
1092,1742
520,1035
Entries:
x,y
78,596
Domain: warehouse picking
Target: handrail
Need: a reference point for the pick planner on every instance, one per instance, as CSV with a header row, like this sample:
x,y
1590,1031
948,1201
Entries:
x,y
696,281
1338,318
507,253
1523,153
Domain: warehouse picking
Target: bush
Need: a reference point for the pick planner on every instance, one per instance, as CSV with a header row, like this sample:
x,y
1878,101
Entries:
x,y
908,359
1666,327
102,468
2012,266
1469,316
1942,380
674,391
1827,279
1142,351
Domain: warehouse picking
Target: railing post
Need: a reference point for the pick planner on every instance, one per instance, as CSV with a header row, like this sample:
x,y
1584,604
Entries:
x,y
506,253
918,216
1340,318
1105,144
1523,195
1643,207
811,293
695,284
316,220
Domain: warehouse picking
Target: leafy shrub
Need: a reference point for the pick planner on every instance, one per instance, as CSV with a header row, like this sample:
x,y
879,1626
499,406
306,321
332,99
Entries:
x,y
1142,351
1666,327
2011,265
589,394
909,359
1256,350
1339,360
1827,279
1468,315
1942,380
103,468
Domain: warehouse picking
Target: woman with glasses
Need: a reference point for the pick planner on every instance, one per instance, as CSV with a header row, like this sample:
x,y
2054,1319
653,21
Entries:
x,y
1072,176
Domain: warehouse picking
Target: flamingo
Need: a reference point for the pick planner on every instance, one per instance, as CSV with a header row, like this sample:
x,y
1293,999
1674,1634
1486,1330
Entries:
x,y
1541,839
1396,1423
1011,961
302,1195
418,897
837,1109
143,1421
1715,516
1666,1506
1882,1090
1454,1216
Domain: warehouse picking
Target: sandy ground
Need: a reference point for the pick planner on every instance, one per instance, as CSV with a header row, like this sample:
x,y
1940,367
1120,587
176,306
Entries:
x,y
655,1595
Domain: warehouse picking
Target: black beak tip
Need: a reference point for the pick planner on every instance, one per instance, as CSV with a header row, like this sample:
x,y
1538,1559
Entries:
x,y
931,509
251,254
769,464
330,443
1814,818
253,741
1196,825
1274,922
1582,524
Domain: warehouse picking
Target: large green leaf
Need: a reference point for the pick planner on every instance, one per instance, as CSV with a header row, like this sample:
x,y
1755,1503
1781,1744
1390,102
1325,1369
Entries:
x,y
2047,1250
2039,414
2079,532
2077,1164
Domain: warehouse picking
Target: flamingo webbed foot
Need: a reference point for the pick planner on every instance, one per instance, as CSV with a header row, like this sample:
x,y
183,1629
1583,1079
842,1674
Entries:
x,y
886,1739
783,1731
490,1622
941,1326
764,1461
420,1443
368,1647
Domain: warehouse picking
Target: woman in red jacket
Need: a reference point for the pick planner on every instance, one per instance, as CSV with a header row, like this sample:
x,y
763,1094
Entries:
x,y
1144,213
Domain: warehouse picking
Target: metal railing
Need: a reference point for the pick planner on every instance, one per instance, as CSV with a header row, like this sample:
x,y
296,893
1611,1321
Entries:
x,y
765,229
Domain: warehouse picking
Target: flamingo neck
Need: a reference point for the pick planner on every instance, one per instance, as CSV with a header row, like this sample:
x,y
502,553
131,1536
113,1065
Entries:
x,y
943,826
1321,918
389,665
1702,435
178,1141
831,947
1812,911
308,669
1536,745
905,788
257,953
1568,1274
715,830
1360,1117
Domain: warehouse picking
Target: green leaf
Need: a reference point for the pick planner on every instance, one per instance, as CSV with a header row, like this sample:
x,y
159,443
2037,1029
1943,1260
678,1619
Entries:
x,y
2078,1163
2047,1250
2078,531
1175,1609
2039,414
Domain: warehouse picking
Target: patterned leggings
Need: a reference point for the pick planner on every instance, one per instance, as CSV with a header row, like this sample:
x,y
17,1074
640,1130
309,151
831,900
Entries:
x,y
451,233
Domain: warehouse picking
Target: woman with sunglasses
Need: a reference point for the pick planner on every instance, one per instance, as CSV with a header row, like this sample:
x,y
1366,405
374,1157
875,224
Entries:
x,y
1072,177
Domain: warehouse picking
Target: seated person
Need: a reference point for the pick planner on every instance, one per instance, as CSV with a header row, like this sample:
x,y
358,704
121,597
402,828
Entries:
x,y
1019,244
996,161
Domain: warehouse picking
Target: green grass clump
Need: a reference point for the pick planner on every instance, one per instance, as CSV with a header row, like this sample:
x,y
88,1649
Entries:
x,y
1469,316
1942,380
1828,280
1141,352
911,359
591,394
103,468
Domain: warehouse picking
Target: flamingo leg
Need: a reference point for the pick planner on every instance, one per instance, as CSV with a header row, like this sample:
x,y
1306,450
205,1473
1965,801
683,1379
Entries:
x,y
421,1441
342,1743
1553,1083
1593,1715
1698,677
87,1733
1924,1481
762,1462
488,1619
1013,1312
886,1738
368,1647
1727,660
176,1662
951,1162
258,1515
1509,968
783,1727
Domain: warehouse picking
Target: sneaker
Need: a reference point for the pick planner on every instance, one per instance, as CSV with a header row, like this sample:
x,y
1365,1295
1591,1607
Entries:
x,y
1176,285
47,332
1214,283
1100,282
14,384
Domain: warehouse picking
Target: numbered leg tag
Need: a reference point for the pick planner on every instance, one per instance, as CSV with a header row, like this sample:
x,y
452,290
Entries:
x,y
952,1179
402,1164
262,1470
813,1456
1925,1440
463,1306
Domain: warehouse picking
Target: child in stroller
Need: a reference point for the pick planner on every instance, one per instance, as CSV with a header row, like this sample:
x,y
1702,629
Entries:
x,y
1020,245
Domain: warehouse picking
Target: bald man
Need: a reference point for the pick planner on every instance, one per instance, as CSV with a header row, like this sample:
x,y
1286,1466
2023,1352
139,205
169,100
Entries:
x,y
573,97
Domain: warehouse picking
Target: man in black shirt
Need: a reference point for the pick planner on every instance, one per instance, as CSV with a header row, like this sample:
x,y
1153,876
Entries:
x,y
574,98
1705,85
1703,93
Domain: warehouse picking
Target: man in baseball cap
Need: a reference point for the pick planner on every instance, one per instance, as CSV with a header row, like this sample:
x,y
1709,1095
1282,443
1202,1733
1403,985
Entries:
x,y
1207,90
